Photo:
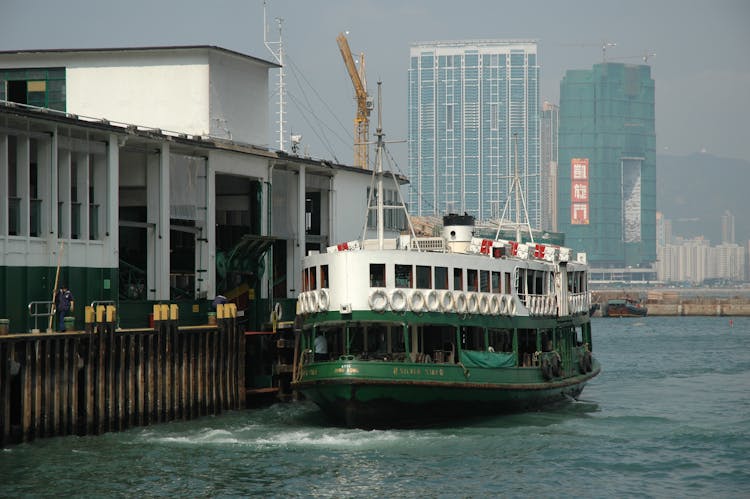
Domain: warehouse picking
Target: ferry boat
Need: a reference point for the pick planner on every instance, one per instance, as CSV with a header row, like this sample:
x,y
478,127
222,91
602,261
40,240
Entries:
x,y
413,330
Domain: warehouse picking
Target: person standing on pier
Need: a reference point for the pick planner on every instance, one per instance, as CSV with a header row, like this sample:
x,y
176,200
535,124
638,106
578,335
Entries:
x,y
64,303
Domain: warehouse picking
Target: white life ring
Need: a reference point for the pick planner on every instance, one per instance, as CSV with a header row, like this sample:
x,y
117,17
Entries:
x,y
305,297
495,304
378,300
398,300
447,302
277,311
433,301
417,301
460,299
503,304
511,305
472,303
484,304
324,300
312,301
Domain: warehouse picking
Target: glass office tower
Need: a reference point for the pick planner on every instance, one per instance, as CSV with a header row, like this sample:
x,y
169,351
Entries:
x,y
607,164
468,100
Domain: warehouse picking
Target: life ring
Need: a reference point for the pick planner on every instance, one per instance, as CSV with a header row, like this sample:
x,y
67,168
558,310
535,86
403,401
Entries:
x,y
511,305
398,300
417,301
447,303
503,304
301,304
277,311
460,302
324,300
312,301
495,304
472,303
484,304
378,300
433,301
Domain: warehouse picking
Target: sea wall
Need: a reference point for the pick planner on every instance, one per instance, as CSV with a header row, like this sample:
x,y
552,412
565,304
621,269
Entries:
x,y
674,303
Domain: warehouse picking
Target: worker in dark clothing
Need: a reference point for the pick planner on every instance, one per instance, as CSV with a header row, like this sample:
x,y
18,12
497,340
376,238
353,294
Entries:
x,y
64,303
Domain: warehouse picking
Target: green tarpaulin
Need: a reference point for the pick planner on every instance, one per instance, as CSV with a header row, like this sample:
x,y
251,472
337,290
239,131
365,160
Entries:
x,y
475,358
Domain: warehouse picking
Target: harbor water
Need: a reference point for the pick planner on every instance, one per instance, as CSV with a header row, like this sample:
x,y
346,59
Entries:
x,y
669,416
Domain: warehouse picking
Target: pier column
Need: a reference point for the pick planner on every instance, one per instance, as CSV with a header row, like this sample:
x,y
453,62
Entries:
x,y
301,239
158,218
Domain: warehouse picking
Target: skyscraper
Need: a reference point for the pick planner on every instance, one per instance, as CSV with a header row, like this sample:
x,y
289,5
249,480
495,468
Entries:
x,y
549,133
607,174
727,227
467,102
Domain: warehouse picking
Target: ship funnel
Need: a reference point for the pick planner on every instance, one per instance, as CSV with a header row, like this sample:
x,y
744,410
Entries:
x,y
458,231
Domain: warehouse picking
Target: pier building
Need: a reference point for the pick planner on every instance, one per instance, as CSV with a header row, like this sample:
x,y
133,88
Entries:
x,y
144,175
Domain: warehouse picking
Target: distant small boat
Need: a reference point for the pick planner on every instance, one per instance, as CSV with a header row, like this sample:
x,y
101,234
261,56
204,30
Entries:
x,y
625,308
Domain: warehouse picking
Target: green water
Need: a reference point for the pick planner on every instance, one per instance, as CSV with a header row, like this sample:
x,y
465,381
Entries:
x,y
668,417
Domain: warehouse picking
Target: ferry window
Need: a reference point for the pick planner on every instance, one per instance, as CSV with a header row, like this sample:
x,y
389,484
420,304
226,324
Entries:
x,y
496,283
472,338
539,282
441,278
507,283
424,275
403,276
484,281
458,279
324,276
529,281
306,280
377,275
313,284
501,340
472,283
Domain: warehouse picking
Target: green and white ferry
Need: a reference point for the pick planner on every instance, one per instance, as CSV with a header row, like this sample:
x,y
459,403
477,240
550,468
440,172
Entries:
x,y
418,329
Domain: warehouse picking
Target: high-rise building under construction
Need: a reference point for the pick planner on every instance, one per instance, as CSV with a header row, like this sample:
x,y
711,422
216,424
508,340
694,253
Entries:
x,y
606,178
470,103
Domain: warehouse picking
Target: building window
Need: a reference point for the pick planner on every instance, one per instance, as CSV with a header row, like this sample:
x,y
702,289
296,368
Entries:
x,y
40,87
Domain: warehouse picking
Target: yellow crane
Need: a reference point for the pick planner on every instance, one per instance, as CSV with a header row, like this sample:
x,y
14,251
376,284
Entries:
x,y
364,103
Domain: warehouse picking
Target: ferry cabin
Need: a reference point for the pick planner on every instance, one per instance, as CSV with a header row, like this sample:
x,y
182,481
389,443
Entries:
x,y
442,308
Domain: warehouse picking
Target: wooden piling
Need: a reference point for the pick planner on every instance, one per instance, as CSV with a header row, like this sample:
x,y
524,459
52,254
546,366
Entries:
x,y
104,379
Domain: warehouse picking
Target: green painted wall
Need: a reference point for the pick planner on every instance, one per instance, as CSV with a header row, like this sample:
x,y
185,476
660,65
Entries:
x,y
22,285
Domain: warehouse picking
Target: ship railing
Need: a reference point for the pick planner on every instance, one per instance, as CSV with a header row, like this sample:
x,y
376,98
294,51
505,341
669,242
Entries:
x,y
540,305
578,302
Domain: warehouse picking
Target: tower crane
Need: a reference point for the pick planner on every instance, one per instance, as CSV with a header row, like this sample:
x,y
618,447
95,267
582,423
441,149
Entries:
x,y
364,103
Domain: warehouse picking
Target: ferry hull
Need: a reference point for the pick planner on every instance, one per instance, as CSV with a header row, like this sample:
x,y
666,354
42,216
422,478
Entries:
x,y
387,403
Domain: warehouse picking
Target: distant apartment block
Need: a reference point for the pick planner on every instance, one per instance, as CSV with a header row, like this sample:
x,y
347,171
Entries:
x,y
695,260
606,202
468,101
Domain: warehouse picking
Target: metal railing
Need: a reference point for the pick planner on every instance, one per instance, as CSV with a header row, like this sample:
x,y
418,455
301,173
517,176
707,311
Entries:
x,y
34,311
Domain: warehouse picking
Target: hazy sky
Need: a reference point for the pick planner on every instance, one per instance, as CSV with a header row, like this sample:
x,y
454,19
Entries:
x,y
701,68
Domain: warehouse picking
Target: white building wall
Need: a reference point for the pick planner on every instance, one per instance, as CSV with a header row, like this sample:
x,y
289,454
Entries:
x,y
238,99
192,90
142,89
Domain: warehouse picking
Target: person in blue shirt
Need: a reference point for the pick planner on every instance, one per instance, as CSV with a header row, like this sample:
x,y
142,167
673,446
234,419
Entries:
x,y
64,303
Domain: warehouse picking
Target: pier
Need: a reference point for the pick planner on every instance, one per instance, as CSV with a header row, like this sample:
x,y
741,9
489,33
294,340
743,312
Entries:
x,y
108,379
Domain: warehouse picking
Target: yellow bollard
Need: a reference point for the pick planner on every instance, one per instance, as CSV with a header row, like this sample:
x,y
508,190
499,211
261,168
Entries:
x,y
110,313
